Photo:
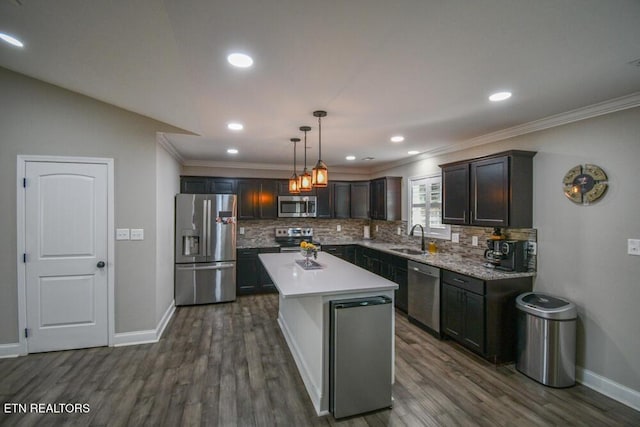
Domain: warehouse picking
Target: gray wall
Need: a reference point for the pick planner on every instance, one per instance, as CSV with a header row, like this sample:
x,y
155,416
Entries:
x,y
582,249
167,186
39,118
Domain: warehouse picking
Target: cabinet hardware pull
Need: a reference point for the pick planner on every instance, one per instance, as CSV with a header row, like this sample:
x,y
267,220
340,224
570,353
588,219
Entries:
x,y
455,279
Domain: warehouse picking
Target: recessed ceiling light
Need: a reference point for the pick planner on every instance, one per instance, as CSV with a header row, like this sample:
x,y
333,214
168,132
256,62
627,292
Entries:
x,y
350,157
500,96
397,138
240,60
235,126
232,151
11,40
412,152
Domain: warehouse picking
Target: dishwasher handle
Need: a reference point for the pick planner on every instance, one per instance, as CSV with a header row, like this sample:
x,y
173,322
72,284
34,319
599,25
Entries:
x,y
425,269
361,302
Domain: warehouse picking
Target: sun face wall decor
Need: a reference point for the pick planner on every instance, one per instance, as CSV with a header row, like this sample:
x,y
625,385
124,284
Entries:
x,y
585,184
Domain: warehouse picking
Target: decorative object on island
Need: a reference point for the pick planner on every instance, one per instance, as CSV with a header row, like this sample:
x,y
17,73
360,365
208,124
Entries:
x,y
308,250
585,184
320,171
305,178
294,181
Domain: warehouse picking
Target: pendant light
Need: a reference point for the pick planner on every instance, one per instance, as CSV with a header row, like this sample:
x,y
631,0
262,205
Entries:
x,y
305,178
320,172
294,181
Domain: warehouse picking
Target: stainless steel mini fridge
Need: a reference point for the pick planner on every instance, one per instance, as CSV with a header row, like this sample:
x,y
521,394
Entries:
x,y
361,361
205,248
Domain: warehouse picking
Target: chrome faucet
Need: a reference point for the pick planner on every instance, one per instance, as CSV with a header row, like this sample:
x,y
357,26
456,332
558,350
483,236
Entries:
x,y
424,249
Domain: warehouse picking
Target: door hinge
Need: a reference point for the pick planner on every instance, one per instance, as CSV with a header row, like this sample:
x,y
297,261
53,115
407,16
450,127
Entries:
x,y
24,182
26,332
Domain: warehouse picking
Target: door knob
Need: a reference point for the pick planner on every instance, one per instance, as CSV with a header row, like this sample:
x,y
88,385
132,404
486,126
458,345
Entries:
x,y
101,264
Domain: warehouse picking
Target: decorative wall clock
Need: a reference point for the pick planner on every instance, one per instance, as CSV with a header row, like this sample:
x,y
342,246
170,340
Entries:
x,y
584,184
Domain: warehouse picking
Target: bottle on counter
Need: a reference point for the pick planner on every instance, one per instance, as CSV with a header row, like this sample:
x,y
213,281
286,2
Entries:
x,y
433,248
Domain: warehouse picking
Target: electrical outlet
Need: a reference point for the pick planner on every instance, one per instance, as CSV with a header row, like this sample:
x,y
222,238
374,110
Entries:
x,y
455,237
377,228
633,246
533,248
399,231
241,231
338,227
474,240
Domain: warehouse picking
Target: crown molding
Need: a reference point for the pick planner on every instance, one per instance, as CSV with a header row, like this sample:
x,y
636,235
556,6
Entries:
x,y
164,142
583,113
262,166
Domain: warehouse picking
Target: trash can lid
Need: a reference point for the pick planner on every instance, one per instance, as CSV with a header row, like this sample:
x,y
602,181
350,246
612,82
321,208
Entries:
x,y
546,306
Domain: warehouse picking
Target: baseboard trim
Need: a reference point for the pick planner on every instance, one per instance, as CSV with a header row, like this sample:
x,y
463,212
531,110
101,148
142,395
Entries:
x,y
612,389
14,349
145,337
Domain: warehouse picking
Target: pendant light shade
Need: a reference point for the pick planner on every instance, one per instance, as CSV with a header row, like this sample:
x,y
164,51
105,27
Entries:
x,y
294,182
320,176
305,178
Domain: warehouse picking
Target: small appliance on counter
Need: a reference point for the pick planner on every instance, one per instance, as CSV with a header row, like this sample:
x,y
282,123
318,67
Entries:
x,y
289,239
507,255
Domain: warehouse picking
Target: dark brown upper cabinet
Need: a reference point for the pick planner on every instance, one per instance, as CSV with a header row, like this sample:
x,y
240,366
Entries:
x,y
360,200
492,191
207,185
257,198
385,198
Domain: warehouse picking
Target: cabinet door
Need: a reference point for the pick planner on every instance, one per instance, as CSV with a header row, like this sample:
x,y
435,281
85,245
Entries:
x,y
248,190
473,318
455,194
360,200
247,273
193,184
324,206
341,200
400,276
265,284
268,199
452,310
333,250
378,199
350,253
221,186
490,192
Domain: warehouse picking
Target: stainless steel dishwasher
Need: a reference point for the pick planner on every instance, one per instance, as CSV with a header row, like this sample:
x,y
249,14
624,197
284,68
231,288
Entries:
x,y
361,361
424,296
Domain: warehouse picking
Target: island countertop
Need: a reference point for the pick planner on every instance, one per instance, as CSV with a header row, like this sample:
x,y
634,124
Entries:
x,y
336,277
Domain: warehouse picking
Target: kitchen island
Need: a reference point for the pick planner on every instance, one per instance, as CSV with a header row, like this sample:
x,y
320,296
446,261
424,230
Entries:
x,y
303,313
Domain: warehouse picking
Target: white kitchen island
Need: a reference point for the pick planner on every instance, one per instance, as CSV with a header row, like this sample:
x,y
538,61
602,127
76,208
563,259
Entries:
x,y
304,313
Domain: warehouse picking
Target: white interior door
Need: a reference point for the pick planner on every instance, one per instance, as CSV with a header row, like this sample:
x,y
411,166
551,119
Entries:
x,y
66,246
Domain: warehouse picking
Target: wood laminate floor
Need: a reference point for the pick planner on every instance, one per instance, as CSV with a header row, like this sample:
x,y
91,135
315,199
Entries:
x,y
228,365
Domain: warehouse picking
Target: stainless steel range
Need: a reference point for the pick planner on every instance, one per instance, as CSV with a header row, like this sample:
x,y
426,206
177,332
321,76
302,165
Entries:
x,y
289,239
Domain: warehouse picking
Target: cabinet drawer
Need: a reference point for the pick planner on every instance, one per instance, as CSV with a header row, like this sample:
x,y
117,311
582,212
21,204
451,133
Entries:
x,y
247,252
470,284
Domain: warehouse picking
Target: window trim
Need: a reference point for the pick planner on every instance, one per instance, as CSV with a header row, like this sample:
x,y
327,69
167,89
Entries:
x,y
443,234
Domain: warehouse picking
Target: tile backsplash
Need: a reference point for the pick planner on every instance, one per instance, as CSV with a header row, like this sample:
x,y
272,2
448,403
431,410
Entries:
x,y
262,232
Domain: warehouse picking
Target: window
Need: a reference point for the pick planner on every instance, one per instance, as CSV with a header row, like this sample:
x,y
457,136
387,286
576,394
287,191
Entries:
x,y
425,206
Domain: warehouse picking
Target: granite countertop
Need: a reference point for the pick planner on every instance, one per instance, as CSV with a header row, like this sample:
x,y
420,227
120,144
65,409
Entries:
x,y
453,262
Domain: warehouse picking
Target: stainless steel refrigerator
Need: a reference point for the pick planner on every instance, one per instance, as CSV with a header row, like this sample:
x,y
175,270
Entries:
x,y
205,248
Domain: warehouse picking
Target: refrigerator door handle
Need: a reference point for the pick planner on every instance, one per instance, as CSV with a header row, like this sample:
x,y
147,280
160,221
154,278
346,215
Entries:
x,y
207,267
209,237
205,231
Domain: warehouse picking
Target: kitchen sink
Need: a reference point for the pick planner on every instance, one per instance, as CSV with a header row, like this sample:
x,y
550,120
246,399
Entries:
x,y
407,251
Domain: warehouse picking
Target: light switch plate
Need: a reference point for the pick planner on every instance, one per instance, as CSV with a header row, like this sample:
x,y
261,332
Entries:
x,y
633,246
338,227
122,234
241,230
474,240
137,234
455,237
399,231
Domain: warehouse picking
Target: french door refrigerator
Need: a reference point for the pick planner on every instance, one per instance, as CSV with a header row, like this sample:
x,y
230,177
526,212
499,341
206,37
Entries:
x,y
205,248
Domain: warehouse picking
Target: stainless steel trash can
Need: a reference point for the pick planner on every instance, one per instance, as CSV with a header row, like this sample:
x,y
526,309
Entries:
x,y
546,339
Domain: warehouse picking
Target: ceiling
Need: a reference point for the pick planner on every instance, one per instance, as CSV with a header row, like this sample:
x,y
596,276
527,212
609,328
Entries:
x,y
419,68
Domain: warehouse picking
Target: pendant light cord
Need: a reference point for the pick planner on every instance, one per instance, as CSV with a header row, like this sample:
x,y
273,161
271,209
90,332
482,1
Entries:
x,y
319,138
305,150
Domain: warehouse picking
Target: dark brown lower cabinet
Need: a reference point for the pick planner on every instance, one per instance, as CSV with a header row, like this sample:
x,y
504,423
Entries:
x,y
481,315
251,276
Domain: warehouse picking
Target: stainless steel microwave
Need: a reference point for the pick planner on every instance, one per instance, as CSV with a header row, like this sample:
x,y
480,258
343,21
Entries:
x,y
297,206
